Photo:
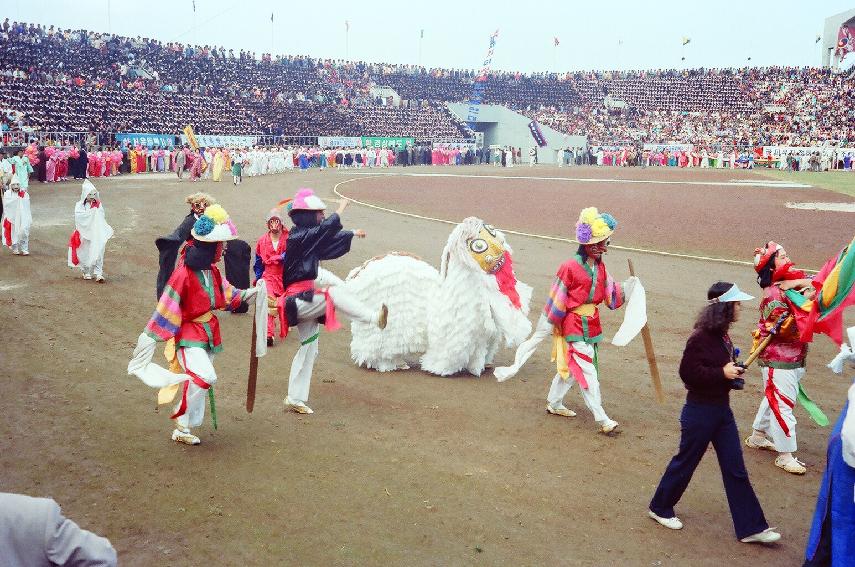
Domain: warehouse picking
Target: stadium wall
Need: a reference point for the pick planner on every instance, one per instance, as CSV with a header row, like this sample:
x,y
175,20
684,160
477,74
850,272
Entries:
x,y
829,36
504,127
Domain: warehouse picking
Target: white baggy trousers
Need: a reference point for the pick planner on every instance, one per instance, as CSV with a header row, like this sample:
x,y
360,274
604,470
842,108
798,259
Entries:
x,y
308,328
786,391
200,361
592,397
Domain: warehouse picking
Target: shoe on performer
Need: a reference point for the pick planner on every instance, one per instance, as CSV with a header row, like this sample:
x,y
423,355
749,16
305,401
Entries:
x,y
790,464
762,443
100,278
269,341
769,535
608,425
670,523
87,276
182,435
560,410
298,407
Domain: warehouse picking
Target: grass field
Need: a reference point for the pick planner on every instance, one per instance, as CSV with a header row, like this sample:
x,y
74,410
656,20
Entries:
x,y
837,181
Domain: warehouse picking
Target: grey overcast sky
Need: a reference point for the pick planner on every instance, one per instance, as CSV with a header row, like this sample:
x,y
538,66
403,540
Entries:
x,y
615,34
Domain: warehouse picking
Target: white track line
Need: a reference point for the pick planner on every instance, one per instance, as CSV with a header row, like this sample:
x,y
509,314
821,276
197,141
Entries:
x,y
542,236
745,183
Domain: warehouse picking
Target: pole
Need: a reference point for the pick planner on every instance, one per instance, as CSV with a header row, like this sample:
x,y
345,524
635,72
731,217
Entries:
x,y
347,43
109,27
253,370
648,348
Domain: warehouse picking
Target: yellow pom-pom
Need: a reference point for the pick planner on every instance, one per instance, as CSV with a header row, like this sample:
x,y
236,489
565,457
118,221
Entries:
x,y
589,215
217,214
599,228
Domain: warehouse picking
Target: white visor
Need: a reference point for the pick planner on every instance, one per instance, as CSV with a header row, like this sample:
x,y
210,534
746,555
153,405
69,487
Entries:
x,y
733,294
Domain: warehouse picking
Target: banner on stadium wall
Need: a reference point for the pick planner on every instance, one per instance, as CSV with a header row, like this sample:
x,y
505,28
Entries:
x,y
387,142
340,141
215,141
669,147
536,133
147,140
778,151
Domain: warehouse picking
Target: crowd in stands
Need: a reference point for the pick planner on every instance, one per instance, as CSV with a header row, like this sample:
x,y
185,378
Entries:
x,y
73,80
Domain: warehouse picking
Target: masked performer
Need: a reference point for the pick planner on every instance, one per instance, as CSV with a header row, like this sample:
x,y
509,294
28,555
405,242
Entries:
x,y
308,303
184,315
17,218
269,260
88,241
169,246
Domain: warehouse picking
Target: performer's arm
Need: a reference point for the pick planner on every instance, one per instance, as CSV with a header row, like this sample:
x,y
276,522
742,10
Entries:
x,y
235,296
166,319
258,267
556,304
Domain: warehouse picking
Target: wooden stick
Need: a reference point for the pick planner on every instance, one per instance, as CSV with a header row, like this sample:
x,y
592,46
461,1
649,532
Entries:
x,y
762,346
651,354
253,370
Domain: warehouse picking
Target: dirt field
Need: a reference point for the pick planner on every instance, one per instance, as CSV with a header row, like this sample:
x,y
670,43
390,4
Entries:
x,y
403,468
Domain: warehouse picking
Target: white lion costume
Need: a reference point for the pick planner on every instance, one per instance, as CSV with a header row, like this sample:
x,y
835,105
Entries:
x,y
456,319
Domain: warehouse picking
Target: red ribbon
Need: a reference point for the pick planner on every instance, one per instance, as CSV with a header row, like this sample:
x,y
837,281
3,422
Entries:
x,y
7,232
772,395
574,367
74,244
507,282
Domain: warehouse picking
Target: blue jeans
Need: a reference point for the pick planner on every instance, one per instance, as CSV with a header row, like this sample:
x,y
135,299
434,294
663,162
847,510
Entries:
x,y
702,424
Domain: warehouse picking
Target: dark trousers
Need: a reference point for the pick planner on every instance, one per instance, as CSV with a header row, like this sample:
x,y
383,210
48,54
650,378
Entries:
x,y
702,424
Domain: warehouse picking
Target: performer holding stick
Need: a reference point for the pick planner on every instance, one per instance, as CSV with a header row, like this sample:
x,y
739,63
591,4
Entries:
x,y
782,360
572,318
184,317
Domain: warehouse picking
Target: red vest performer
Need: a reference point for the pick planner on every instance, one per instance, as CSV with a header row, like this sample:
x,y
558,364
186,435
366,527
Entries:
x,y
783,360
269,262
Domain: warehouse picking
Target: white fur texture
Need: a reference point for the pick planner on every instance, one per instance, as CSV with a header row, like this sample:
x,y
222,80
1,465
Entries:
x,y
458,317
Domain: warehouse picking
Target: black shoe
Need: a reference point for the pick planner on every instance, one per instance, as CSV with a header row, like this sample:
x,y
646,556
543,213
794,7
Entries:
x,y
269,341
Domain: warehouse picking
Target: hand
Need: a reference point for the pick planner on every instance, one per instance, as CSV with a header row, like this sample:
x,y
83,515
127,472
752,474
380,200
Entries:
x,y
342,206
731,371
359,233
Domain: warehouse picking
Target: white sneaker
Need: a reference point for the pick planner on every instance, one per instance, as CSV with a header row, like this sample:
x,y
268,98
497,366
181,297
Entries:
x,y
560,410
769,535
670,523
185,437
87,277
298,407
608,426
100,278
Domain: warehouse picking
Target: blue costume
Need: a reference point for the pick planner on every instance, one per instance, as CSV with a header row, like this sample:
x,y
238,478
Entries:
x,y
832,537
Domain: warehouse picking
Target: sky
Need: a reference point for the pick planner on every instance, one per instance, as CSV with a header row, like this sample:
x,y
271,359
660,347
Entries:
x,y
618,34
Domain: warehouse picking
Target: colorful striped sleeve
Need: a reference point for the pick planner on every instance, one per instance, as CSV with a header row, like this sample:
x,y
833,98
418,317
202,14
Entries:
x,y
615,295
556,303
166,319
232,295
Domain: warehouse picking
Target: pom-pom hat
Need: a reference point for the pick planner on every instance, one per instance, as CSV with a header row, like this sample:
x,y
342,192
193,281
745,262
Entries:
x,y
594,226
214,226
306,200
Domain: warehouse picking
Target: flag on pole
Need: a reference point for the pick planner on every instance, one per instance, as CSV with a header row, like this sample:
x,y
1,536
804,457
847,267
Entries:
x,y
686,40
835,287
346,25
423,34
555,40
194,6
271,17
818,38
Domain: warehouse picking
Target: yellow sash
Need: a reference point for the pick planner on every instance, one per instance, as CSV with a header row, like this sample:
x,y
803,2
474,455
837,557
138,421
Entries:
x,y
585,310
559,355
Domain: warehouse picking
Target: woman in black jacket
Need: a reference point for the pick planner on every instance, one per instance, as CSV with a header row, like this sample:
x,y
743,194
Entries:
x,y
709,371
